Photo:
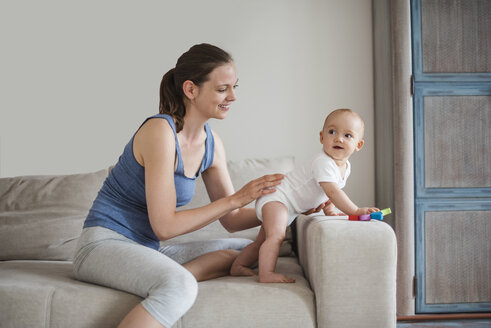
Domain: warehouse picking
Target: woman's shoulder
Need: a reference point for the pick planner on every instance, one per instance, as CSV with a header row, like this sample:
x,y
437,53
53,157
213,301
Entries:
x,y
216,137
160,120
154,134
153,125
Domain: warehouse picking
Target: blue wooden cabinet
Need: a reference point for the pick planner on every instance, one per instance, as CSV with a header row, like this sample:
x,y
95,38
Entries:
x,y
451,42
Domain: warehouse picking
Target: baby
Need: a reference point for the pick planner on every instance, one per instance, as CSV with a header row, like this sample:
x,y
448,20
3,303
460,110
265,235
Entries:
x,y
316,183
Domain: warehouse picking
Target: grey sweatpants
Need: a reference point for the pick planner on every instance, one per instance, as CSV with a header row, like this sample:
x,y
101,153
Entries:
x,y
107,258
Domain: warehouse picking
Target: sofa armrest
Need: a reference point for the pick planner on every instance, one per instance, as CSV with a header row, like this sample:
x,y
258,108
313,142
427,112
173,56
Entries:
x,y
351,267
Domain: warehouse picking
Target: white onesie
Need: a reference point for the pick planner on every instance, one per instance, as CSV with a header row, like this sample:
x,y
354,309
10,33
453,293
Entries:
x,y
300,191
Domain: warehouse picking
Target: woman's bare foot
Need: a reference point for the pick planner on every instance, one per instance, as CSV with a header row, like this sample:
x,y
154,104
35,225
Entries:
x,y
240,270
274,277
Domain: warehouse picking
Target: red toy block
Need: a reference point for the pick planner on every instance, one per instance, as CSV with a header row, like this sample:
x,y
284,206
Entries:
x,y
354,217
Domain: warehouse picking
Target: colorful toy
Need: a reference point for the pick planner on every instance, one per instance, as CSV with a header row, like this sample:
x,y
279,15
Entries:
x,y
367,217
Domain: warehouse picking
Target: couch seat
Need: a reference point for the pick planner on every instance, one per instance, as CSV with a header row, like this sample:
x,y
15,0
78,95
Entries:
x,y
242,301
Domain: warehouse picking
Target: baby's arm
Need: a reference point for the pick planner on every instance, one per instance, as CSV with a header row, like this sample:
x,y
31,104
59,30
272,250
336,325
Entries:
x,y
343,202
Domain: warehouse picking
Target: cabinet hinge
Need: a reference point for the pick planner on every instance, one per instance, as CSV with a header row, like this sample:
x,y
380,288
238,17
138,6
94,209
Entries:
x,y
415,286
412,85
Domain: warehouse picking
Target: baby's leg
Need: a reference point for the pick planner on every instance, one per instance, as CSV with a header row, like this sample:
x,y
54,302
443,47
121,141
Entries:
x,y
248,256
275,221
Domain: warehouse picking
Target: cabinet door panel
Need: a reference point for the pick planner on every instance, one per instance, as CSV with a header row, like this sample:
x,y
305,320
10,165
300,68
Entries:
x,y
451,40
457,140
458,249
453,252
452,140
456,36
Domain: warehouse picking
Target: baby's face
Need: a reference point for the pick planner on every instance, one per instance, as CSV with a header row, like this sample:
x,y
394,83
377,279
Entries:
x,y
342,136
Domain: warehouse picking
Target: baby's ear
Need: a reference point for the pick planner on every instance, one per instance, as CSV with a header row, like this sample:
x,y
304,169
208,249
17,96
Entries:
x,y
360,144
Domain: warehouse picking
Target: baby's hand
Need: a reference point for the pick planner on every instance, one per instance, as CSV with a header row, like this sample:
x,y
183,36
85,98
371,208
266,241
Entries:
x,y
366,210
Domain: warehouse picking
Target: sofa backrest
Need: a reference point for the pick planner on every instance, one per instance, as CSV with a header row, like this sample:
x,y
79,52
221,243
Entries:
x,y
41,217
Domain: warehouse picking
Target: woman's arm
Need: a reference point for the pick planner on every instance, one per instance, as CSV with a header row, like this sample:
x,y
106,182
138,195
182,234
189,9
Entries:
x,y
154,148
219,185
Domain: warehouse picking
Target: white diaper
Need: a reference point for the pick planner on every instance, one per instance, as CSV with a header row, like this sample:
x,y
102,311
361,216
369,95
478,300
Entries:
x,y
277,196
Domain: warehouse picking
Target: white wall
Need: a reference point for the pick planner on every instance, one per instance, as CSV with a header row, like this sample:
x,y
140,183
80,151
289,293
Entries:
x,y
77,78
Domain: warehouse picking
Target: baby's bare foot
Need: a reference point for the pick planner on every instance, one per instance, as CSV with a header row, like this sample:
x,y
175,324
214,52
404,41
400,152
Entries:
x,y
275,277
240,270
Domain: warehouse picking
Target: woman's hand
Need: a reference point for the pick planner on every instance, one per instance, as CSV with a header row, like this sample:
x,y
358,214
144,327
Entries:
x,y
257,188
330,210
317,209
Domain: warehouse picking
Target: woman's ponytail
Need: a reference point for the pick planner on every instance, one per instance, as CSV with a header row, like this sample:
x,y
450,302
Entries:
x,y
171,101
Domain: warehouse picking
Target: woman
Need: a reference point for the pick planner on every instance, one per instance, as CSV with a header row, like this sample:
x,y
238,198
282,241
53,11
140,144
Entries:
x,y
136,207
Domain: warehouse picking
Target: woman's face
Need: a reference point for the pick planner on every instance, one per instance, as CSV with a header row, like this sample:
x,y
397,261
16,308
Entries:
x,y
215,95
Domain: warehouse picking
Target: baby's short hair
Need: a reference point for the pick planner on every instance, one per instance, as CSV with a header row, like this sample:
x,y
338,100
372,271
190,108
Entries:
x,y
345,110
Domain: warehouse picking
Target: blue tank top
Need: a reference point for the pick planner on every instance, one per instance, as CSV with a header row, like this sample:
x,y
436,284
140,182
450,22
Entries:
x,y
121,203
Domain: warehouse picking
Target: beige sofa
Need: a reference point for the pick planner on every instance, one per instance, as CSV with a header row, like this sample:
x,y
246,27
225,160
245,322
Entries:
x,y
345,271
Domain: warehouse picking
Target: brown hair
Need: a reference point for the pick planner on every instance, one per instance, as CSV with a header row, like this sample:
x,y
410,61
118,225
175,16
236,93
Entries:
x,y
194,65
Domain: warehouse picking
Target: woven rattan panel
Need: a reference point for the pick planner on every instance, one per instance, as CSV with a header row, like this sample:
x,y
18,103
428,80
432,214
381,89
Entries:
x,y
456,36
458,257
457,141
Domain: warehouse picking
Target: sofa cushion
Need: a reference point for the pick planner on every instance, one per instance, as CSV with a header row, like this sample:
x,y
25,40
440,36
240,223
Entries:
x,y
41,217
244,302
45,294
